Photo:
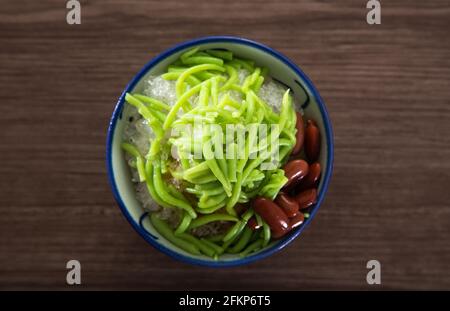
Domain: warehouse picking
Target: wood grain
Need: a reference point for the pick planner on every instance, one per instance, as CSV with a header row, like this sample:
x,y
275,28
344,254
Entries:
x,y
386,89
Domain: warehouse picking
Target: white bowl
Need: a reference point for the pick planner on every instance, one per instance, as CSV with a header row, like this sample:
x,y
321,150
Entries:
x,y
281,69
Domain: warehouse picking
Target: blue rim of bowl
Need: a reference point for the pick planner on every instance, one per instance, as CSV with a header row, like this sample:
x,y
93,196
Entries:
x,y
326,179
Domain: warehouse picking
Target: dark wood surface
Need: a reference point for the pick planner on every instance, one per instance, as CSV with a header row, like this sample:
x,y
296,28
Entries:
x,y
387,92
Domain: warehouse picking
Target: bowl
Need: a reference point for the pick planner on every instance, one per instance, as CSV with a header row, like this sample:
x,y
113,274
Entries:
x,y
281,69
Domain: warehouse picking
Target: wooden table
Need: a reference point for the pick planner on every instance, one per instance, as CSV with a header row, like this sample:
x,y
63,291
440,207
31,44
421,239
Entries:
x,y
386,88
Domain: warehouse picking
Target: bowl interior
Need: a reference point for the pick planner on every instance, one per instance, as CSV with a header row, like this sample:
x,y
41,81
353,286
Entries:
x,y
280,69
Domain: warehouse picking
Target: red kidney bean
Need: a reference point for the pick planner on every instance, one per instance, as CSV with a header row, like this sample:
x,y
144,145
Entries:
x,y
297,220
289,205
312,141
277,235
300,135
306,198
273,215
295,170
253,224
311,180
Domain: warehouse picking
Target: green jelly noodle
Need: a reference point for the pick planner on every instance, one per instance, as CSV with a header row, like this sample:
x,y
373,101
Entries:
x,y
214,178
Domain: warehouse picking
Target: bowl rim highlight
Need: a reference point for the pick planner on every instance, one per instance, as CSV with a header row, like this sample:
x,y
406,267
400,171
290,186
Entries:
x,y
270,250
